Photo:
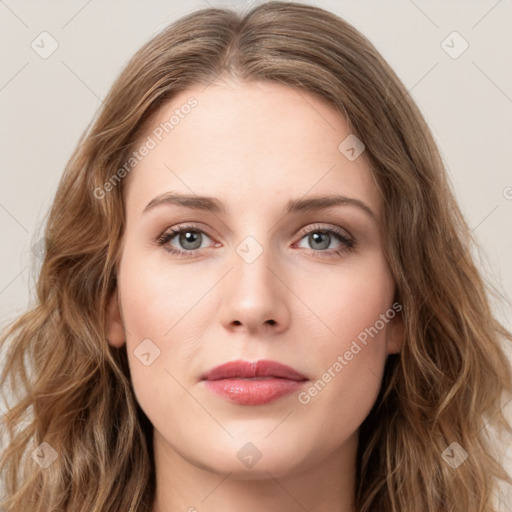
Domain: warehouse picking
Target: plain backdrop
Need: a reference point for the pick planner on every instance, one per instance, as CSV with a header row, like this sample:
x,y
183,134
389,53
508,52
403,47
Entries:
x,y
46,103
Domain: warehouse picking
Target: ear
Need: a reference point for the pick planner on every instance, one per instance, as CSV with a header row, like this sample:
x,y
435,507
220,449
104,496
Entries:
x,y
115,329
395,334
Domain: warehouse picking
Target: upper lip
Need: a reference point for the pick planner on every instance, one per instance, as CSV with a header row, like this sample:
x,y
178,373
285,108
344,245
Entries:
x,y
247,369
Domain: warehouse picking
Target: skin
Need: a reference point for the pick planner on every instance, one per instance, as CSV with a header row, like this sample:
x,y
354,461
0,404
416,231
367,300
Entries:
x,y
254,146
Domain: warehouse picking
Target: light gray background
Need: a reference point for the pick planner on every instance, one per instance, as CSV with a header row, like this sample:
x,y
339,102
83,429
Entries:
x,y
45,104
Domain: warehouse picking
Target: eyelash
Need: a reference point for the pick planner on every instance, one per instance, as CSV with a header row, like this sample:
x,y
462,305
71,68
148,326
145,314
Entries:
x,y
348,244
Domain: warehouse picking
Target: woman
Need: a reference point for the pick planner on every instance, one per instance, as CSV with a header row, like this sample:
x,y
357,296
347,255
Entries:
x,y
193,348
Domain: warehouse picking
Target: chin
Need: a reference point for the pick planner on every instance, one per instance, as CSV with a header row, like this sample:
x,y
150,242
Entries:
x,y
240,466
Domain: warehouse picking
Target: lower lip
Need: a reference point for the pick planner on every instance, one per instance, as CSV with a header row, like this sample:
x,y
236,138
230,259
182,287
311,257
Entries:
x,y
253,391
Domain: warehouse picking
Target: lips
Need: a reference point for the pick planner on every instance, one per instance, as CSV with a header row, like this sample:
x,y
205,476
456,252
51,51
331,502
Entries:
x,y
251,370
256,383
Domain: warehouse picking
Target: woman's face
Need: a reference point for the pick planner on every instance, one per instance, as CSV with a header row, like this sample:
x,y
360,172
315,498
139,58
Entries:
x,y
268,272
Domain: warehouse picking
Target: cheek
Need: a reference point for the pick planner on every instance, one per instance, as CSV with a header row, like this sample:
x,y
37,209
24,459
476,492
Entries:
x,y
348,301
156,295
166,310
152,307
354,309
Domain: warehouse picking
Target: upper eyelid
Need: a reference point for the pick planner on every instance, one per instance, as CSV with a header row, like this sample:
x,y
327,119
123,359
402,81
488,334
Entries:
x,y
318,227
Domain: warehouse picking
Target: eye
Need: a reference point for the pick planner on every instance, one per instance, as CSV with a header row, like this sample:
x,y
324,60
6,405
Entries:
x,y
320,238
190,238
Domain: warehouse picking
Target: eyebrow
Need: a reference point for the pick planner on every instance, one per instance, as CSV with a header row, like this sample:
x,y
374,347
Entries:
x,y
213,205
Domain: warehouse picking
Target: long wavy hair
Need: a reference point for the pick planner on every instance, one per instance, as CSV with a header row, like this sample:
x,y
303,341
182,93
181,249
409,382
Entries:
x,y
73,390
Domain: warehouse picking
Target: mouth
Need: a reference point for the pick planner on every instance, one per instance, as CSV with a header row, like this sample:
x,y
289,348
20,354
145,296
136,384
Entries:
x,y
253,383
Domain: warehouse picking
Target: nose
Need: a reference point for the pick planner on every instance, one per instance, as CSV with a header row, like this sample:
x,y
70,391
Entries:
x,y
255,297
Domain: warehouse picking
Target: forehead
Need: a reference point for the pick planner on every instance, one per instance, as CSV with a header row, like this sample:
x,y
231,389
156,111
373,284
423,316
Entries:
x,y
248,143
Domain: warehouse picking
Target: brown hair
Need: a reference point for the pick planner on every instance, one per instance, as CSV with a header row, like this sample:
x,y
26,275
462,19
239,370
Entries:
x,y
444,385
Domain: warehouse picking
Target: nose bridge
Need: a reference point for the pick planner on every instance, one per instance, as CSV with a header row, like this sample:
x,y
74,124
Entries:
x,y
253,261
253,253
253,296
